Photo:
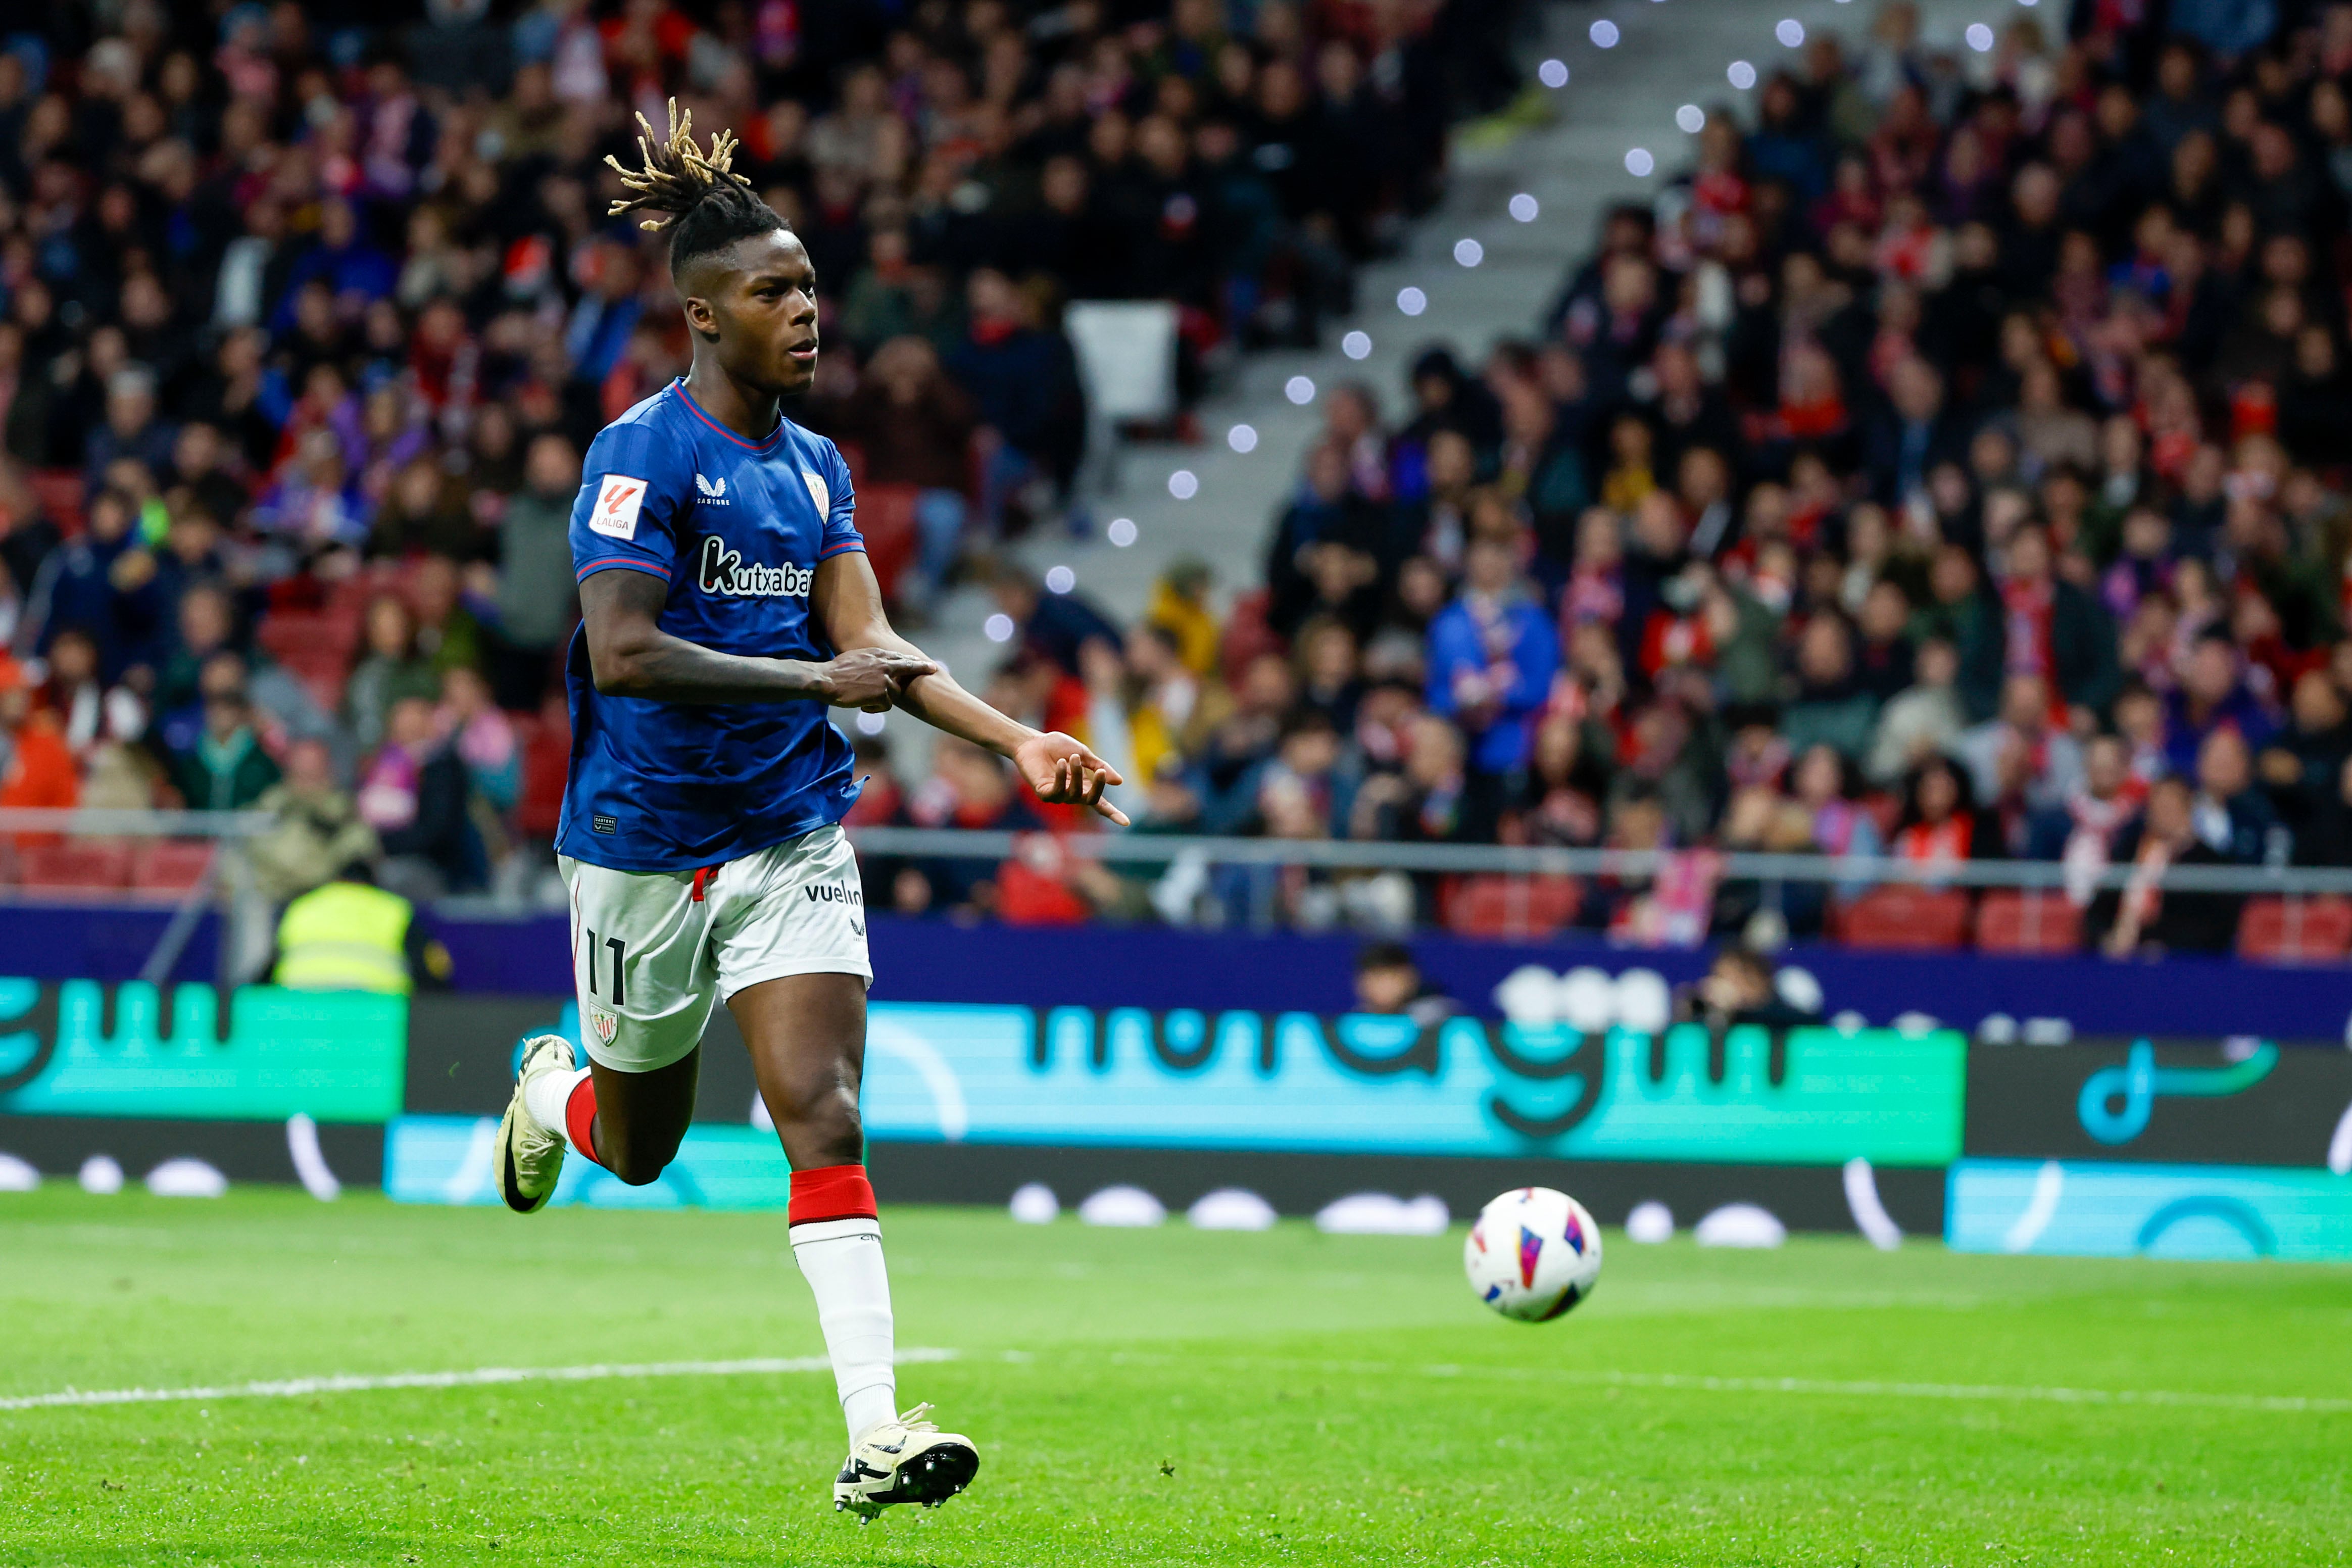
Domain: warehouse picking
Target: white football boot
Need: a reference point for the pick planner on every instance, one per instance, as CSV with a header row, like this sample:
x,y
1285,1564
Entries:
x,y
907,1459
529,1155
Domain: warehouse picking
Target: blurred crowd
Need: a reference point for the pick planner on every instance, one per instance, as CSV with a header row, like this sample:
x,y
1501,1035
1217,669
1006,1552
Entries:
x,y
308,312
1950,464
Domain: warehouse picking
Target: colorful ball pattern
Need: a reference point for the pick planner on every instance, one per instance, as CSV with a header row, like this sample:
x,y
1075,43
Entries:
x,y
1532,1254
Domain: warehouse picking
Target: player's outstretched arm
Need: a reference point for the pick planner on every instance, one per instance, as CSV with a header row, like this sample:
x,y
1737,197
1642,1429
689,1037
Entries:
x,y
631,655
848,606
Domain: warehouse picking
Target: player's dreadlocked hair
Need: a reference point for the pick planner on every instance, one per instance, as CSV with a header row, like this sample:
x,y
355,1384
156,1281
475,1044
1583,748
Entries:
x,y
697,196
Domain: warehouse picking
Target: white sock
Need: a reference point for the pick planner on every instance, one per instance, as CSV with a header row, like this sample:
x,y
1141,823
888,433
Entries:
x,y
545,1096
843,1261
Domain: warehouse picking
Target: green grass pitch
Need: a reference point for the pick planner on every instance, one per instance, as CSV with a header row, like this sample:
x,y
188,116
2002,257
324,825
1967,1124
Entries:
x,y
1146,1398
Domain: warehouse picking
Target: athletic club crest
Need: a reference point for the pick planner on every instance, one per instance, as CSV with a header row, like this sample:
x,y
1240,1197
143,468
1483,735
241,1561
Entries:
x,y
604,1023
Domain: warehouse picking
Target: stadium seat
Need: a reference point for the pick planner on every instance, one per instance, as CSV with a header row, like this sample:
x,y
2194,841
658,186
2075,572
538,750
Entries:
x,y
1901,917
60,493
886,516
2295,931
2009,921
169,864
1246,634
73,866
1125,351
1492,906
315,646
546,747
348,597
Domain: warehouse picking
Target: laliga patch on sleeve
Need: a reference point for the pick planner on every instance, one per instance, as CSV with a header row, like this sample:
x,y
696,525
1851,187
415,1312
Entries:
x,y
618,500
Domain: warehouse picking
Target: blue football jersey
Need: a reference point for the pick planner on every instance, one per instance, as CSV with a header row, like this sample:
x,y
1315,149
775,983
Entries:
x,y
736,528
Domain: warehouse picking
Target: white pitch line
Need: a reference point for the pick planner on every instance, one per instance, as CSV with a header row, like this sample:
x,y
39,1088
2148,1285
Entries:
x,y
1697,1382
302,1387
1964,1391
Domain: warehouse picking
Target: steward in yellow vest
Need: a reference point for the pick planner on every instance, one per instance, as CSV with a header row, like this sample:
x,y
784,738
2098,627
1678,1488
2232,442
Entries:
x,y
351,935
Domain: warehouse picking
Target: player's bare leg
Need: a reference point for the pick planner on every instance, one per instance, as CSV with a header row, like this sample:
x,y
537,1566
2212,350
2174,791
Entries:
x,y
629,1122
638,1119
807,1040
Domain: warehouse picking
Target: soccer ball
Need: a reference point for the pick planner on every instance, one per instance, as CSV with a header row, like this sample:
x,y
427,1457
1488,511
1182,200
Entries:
x,y
1533,1254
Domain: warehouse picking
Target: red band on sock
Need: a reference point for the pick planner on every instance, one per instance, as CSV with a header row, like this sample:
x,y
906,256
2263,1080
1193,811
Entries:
x,y
579,1117
831,1191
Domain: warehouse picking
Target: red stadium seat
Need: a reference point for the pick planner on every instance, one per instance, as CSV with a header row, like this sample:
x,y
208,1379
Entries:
x,y
60,493
1901,917
886,516
299,638
169,864
1503,906
546,746
315,646
1246,634
2008,920
73,866
2295,931
348,597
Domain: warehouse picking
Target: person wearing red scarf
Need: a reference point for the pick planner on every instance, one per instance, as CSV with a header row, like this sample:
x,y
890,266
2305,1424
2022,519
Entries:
x,y
2028,621
1939,826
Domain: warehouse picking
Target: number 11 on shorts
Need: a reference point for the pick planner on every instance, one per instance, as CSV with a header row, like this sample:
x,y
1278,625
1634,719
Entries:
x,y
619,959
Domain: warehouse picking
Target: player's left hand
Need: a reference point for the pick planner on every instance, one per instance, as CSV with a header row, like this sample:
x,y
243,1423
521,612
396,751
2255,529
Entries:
x,y
1060,768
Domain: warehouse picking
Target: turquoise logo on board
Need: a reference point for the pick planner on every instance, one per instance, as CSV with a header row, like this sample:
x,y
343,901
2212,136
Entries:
x,y
331,1056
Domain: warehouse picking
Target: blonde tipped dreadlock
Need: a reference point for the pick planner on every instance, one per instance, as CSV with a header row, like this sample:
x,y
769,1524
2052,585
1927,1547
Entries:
x,y
697,196
674,173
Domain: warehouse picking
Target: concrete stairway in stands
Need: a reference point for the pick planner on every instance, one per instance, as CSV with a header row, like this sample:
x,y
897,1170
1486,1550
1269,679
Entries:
x,y
1667,53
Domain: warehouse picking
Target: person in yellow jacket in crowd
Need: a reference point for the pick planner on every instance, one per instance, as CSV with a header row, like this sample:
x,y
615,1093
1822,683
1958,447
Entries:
x,y
349,934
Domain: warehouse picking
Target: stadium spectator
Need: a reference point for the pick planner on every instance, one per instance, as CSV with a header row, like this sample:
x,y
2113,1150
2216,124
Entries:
x,y
412,793
1169,710
915,428
38,768
537,601
2031,621
1924,718
1741,987
1828,704
89,715
1053,626
2229,816
2023,767
2144,918
969,788
390,669
2212,695
1939,826
1388,980
225,767
1023,386
448,632
481,735
2098,812
317,830
1492,657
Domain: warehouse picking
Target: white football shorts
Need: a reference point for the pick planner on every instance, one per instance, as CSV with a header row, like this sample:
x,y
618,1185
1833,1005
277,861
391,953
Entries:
x,y
653,951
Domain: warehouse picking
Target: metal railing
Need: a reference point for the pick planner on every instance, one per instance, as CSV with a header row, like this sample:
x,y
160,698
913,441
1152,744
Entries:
x,y
226,883
1509,860
118,822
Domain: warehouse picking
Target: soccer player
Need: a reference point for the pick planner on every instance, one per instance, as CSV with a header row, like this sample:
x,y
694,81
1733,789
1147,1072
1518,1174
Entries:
x,y
727,602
